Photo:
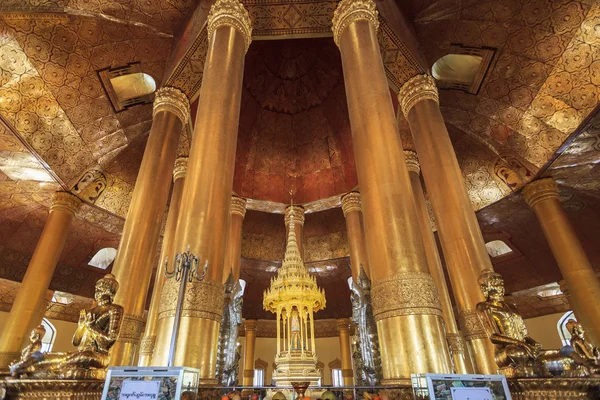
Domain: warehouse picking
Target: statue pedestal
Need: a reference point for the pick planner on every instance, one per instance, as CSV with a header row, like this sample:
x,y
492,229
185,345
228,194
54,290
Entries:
x,y
59,389
296,366
554,388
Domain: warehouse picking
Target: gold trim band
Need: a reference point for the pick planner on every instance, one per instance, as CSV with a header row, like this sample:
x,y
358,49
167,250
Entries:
x,y
65,201
132,329
408,293
416,89
471,325
541,189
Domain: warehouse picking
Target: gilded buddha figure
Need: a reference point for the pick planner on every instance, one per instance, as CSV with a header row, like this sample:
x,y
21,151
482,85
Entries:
x,y
96,333
583,351
517,353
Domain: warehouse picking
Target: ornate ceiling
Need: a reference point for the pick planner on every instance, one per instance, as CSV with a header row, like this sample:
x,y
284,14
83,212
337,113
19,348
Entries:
x,y
544,81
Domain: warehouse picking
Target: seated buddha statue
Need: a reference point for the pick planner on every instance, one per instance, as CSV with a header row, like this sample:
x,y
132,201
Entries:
x,y
517,354
583,351
96,333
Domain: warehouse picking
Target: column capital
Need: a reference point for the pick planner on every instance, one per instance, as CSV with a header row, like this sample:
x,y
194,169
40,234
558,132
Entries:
x,y
250,325
298,215
180,169
343,324
349,11
172,100
65,201
541,189
416,89
412,161
351,202
238,206
232,13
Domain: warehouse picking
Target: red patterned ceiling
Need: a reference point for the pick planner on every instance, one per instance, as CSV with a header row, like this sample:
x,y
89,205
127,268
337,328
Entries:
x,y
294,128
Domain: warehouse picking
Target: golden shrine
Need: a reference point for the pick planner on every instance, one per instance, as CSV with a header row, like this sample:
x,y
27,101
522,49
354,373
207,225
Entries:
x,y
294,297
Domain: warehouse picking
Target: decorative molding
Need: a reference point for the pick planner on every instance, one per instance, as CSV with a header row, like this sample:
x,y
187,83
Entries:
x,y
267,328
203,299
238,206
455,343
231,13
147,345
343,324
132,329
349,11
412,161
470,325
65,201
541,189
351,203
416,89
172,100
180,169
335,364
408,293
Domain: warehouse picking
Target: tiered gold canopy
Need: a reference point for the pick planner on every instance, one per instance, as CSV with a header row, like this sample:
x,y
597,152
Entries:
x,y
294,296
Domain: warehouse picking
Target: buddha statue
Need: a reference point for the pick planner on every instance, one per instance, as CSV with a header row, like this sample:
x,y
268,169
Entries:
x,y
583,351
96,333
517,353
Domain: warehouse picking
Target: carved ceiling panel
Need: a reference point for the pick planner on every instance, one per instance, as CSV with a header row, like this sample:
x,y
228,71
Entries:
x,y
543,83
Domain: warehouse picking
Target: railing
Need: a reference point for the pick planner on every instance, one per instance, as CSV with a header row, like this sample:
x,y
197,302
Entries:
x,y
314,392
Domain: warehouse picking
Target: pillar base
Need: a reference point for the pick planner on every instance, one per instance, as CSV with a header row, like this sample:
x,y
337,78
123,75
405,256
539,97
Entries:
x,y
554,388
59,389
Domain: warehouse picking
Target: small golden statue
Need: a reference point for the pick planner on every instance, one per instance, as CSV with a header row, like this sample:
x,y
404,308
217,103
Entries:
x,y
517,353
97,331
583,352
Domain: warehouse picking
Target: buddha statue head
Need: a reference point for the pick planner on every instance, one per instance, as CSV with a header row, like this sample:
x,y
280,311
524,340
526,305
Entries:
x,y
106,289
492,285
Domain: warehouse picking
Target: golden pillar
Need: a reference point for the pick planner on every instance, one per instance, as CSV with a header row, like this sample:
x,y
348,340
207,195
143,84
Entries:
x,y
31,297
250,329
356,237
454,338
149,339
343,326
204,216
411,317
542,197
462,243
298,216
234,239
137,249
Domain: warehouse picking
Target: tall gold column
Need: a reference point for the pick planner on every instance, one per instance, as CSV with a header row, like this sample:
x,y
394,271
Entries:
x,y
234,238
298,225
542,197
137,249
356,237
411,317
250,329
455,341
204,215
149,339
31,296
343,326
460,236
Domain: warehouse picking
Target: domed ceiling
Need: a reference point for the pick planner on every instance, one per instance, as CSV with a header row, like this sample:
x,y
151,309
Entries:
x,y
294,129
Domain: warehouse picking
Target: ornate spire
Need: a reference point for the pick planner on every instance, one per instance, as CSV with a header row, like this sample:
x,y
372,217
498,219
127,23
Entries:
x,y
293,285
